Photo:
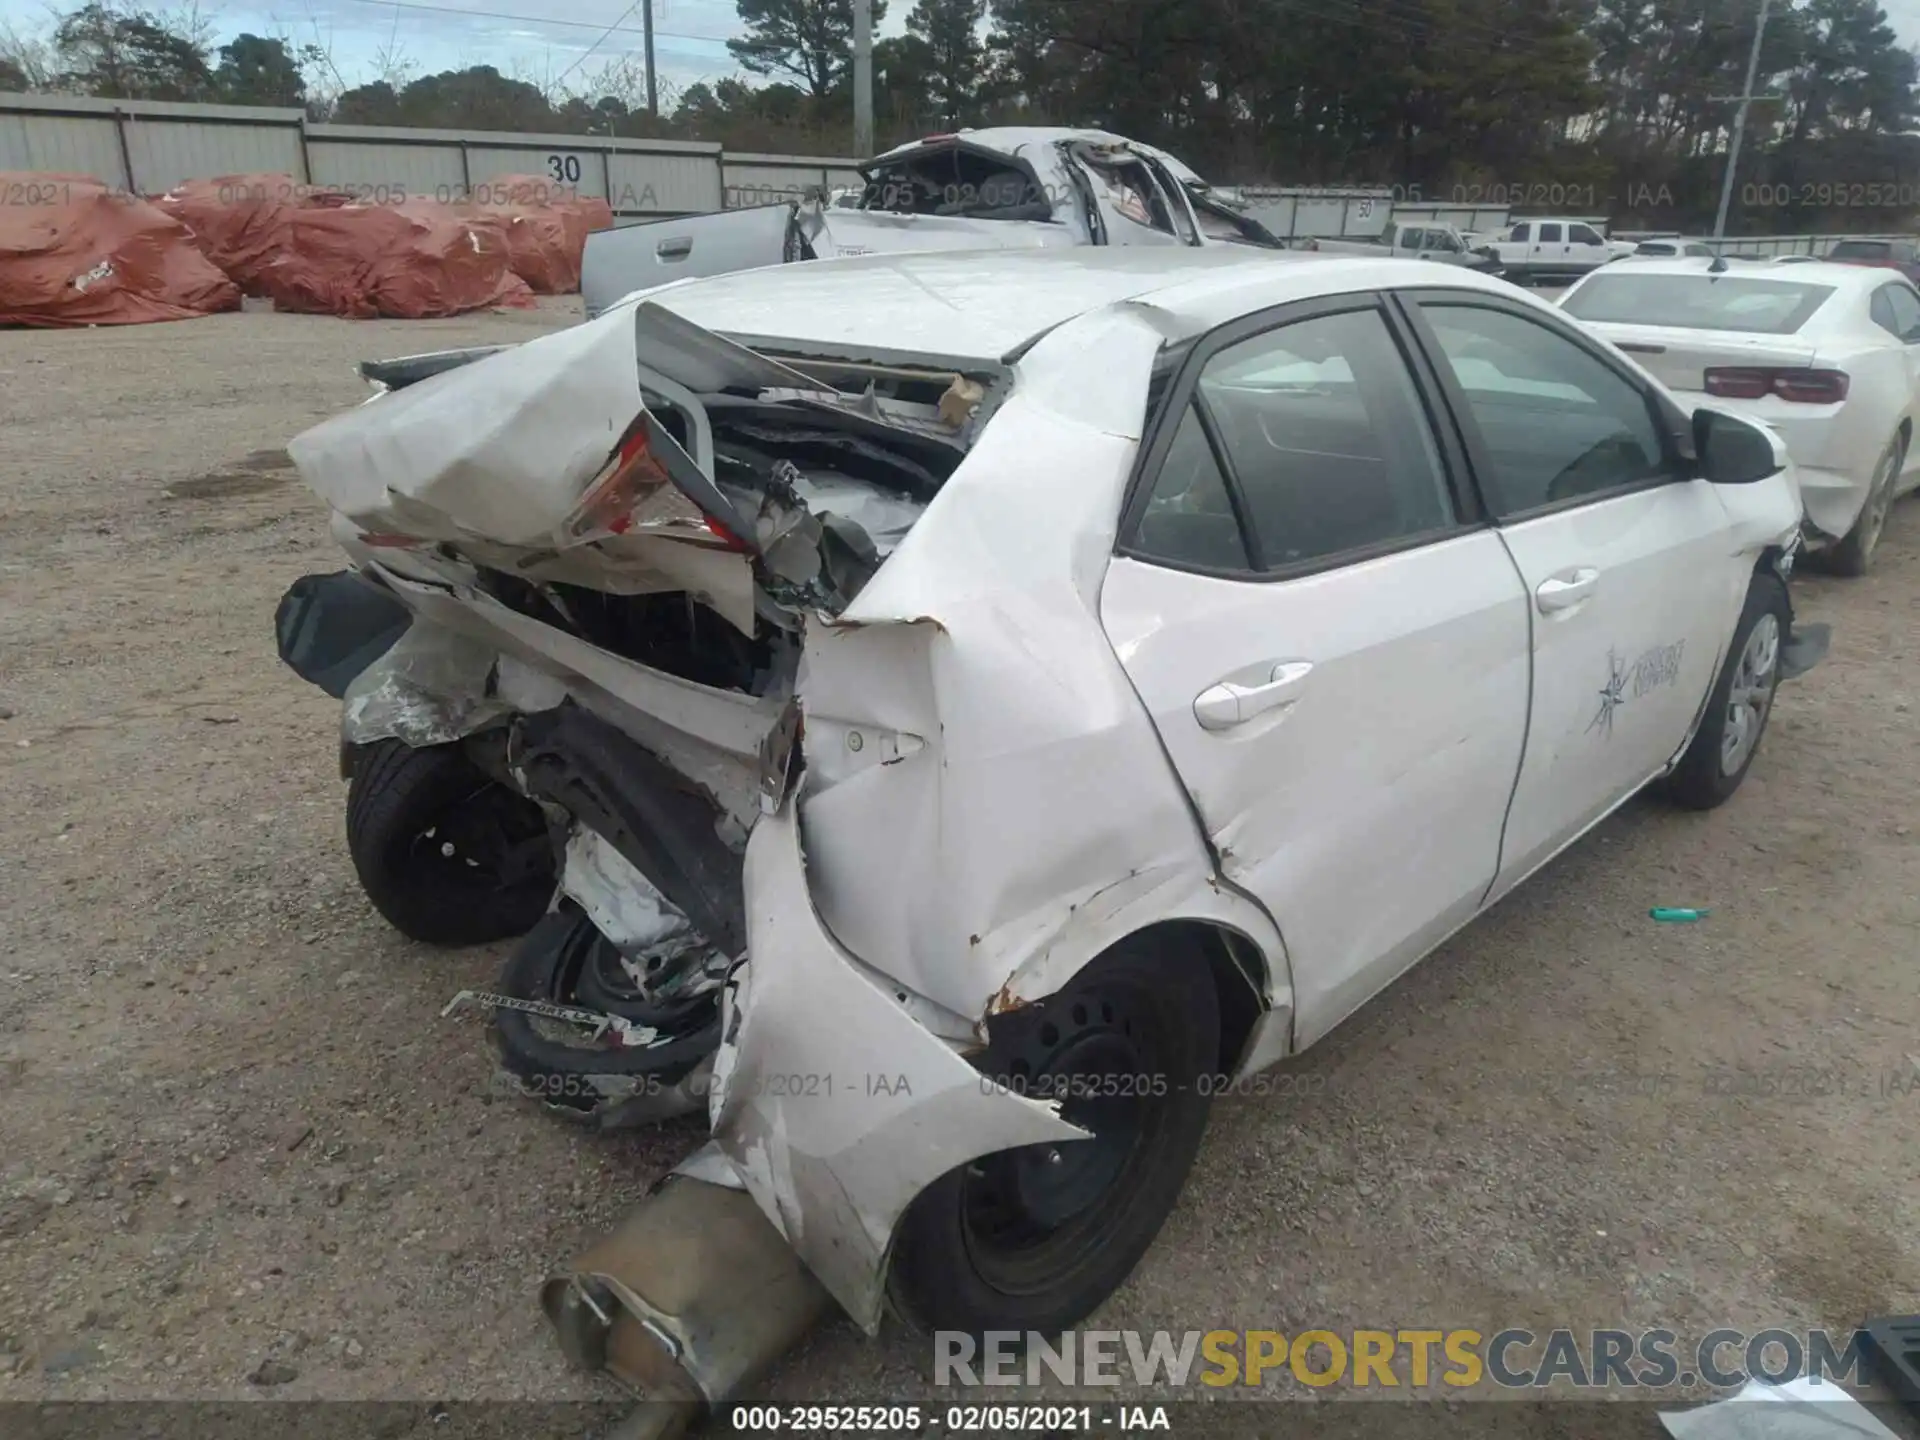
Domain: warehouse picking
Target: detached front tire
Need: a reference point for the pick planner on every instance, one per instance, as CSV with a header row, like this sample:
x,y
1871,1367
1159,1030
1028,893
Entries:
x,y
1742,702
1034,1239
447,854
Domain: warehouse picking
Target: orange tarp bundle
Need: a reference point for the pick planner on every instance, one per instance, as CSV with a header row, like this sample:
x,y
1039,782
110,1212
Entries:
x,y
547,228
238,221
412,261
73,252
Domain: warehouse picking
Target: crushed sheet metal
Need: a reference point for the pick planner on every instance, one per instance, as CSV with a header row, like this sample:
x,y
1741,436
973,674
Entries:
x,y
622,903
984,832
894,1108
505,447
431,688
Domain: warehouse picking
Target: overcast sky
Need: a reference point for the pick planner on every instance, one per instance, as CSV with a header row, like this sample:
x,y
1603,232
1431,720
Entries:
x,y
510,35
434,35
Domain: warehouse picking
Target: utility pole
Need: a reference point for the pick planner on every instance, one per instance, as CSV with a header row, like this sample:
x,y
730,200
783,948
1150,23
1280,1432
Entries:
x,y
862,78
1740,123
653,93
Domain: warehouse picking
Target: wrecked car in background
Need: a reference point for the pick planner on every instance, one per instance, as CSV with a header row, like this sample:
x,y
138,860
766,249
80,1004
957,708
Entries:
x,y
993,189
985,704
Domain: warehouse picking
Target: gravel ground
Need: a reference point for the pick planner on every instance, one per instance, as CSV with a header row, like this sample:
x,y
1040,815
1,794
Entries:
x,y
242,1154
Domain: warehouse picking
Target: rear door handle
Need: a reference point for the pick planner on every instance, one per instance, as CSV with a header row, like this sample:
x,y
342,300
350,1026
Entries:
x,y
677,248
1223,706
1566,590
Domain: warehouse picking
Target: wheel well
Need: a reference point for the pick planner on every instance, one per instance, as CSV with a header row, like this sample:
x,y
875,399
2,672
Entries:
x,y
1239,978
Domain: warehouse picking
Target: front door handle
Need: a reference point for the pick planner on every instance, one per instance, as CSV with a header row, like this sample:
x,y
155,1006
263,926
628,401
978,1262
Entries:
x,y
678,248
1566,590
1230,703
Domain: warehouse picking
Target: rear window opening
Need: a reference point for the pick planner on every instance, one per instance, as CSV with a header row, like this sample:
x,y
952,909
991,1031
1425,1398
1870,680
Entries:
x,y
1861,250
956,180
1698,302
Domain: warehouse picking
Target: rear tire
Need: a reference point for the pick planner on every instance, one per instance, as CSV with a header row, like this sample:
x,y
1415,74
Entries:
x,y
1742,702
447,854
1853,555
1036,1238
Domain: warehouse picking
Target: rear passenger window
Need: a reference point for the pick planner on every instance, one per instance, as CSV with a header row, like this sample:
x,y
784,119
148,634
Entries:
x,y
1325,438
1549,234
1190,520
1521,232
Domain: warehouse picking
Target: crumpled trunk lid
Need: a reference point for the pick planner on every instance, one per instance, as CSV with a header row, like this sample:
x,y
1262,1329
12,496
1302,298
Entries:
x,y
590,457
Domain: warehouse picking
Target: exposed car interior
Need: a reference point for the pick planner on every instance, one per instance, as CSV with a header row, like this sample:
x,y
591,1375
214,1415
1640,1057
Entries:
x,y
955,179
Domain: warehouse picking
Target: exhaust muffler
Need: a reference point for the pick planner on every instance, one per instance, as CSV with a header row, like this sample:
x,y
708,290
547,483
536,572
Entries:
x,y
692,1298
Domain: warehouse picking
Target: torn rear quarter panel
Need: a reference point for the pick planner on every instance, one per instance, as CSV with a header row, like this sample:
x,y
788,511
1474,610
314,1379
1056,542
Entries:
x,y
834,1106
987,804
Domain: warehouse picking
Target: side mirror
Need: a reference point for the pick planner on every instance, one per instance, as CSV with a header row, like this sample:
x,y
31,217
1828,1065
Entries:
x,y
1734,451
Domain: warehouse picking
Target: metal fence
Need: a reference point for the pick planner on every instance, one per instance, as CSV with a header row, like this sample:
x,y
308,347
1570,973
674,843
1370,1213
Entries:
x,y
147,146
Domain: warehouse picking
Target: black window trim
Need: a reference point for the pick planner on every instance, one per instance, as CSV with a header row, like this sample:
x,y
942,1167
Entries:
x,y
1164,425
1674,428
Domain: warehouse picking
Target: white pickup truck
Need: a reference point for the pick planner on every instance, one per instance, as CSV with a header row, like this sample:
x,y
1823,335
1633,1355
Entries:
x,y
1552,249
994,189
1423,241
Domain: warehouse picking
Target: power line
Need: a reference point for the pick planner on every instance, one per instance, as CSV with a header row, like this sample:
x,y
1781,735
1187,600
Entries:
x,y
648,32
615,28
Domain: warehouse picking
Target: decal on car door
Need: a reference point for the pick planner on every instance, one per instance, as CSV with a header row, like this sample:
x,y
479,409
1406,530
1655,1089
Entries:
x,y
1649,672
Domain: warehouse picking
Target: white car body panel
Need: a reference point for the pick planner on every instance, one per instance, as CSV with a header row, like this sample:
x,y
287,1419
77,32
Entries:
x,y
1836,447
1028,786
1414,707
1667,588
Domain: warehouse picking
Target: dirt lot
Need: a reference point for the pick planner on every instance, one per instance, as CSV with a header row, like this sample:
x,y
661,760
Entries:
x,y
235,1132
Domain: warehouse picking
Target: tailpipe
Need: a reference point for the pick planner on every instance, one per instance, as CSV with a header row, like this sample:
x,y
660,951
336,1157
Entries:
x,y
691,1299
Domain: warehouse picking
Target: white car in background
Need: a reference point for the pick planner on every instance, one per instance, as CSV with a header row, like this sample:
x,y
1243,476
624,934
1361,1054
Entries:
x,y
976,694
1670,249
1826,355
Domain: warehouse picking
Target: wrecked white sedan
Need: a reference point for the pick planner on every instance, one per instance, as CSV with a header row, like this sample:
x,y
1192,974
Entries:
x,y
969,707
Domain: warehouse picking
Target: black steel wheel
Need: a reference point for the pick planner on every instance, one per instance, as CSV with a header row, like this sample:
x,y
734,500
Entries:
x,y
567,961
1035,1238
446,853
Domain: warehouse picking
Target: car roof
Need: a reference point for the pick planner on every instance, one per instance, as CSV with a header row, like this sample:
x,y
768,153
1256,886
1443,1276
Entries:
x,y
983,306
1013,139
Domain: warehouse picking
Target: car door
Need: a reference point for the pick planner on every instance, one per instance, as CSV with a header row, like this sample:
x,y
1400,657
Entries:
x,y
1586,247
1550,247
1517,252
1896,309
1332,645
1623,553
